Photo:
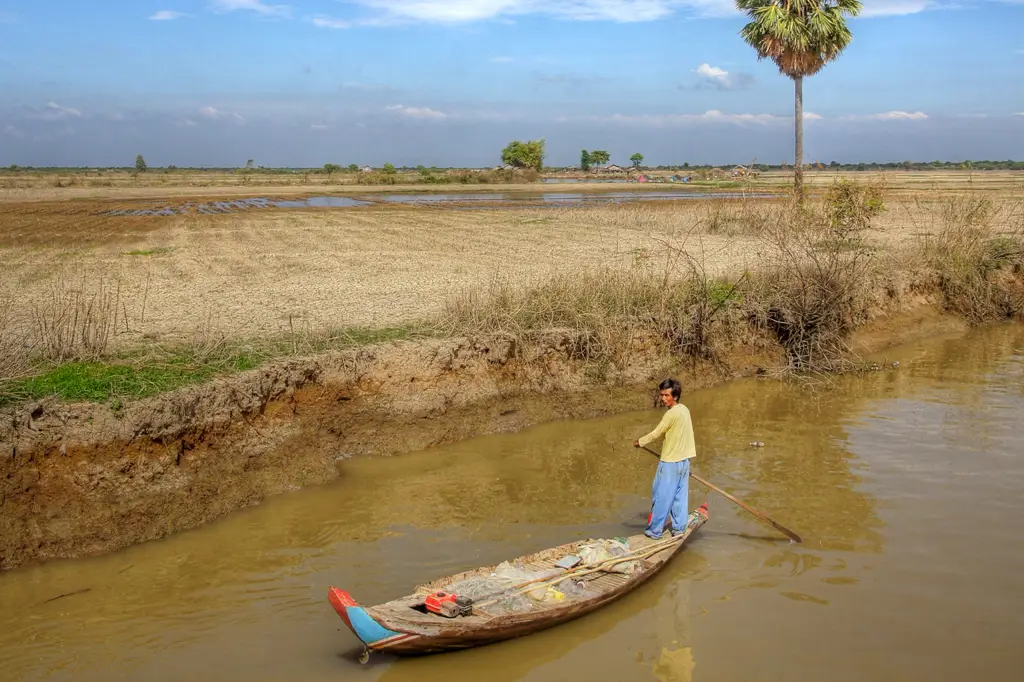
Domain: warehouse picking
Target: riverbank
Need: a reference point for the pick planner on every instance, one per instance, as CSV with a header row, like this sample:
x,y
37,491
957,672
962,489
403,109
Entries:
x,y
86,478
82,479
863,471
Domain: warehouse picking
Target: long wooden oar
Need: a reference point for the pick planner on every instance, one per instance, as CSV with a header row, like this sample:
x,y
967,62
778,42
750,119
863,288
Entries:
x,y
778,526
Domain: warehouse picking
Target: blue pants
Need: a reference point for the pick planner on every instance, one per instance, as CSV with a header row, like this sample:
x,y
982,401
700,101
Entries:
x,y
670,494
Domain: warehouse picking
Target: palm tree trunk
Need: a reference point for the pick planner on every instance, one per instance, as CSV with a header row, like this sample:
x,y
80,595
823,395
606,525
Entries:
x,y
798,162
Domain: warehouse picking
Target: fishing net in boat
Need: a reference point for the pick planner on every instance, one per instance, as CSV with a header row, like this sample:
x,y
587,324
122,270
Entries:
x,y
597,551
484,589
573,589
501,585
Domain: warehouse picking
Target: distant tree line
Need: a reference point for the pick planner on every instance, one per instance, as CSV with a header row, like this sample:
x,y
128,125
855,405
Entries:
x,y
529,157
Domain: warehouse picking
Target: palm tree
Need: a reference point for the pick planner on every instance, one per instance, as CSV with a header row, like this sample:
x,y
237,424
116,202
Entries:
x,y
801,37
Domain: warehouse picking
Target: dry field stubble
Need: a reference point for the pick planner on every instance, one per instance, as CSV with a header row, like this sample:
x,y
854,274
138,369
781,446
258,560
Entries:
x,y
22,186
933,184
266,272
79,285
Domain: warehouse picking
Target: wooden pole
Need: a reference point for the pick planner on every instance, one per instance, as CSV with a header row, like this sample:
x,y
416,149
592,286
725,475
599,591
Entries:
x,y
778,526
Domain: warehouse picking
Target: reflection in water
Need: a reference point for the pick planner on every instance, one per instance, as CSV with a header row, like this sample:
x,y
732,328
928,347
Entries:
x,y
675,660
905,485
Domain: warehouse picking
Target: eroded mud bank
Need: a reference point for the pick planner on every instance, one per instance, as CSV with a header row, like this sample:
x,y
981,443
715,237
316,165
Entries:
x,y
81,479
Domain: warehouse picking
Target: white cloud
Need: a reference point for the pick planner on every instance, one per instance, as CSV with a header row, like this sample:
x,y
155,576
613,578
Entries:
x,y
712,73
894,8
424,113
889,116
712,116
13,132
461,11
167,15
329,22
721,79
255,6
187,123
55,112
215,114
319,126
622,11
715,116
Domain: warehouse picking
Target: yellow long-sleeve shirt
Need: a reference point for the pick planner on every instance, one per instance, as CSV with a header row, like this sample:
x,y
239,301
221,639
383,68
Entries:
x,y
678,431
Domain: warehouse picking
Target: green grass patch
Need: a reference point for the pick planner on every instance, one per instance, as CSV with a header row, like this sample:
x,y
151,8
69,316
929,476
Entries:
x,y
150,370
720,292
99,382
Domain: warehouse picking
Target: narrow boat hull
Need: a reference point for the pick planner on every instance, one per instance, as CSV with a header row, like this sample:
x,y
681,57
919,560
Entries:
x,y
397,629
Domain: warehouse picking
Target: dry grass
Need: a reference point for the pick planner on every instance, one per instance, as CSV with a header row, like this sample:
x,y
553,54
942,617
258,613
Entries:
x,y
120,185
226,292
262,273
979,255
819,268
15,347
76,320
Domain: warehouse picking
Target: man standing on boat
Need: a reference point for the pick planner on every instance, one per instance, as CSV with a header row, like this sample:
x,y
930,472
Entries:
x,y
671,483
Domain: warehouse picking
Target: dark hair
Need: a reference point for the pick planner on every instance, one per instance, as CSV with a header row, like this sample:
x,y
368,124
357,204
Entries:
x,y
677,388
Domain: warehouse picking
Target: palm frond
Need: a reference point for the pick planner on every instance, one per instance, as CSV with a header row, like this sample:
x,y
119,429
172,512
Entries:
x,y
800,36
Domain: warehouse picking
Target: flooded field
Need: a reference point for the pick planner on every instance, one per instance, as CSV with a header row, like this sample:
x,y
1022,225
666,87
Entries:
x,y
520,200
905,485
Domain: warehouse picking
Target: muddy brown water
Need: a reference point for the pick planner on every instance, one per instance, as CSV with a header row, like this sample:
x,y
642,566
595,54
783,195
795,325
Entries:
x,y
906,485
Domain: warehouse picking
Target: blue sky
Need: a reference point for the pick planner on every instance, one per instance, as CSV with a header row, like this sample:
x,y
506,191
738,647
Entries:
x,y
306,82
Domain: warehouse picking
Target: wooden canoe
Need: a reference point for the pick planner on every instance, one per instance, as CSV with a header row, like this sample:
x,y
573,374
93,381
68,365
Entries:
x,y
403,627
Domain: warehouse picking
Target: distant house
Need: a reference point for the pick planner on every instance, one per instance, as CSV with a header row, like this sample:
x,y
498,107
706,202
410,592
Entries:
x,y
742,172
612,169
365,169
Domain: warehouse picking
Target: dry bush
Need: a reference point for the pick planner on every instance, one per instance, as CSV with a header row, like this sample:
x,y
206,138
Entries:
x,y
850,206
979,257
607,308
76,321
810,293
15,346
735,218
813,292
610,311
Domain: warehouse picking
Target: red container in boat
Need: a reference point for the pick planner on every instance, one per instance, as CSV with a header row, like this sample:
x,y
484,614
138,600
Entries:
x,y
434,601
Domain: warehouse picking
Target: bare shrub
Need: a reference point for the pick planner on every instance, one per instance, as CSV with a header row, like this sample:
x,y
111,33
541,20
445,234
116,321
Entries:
x,y
697,327
76,322
613,311
813,293
15,346
850,206
609,308
376,178
979,265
